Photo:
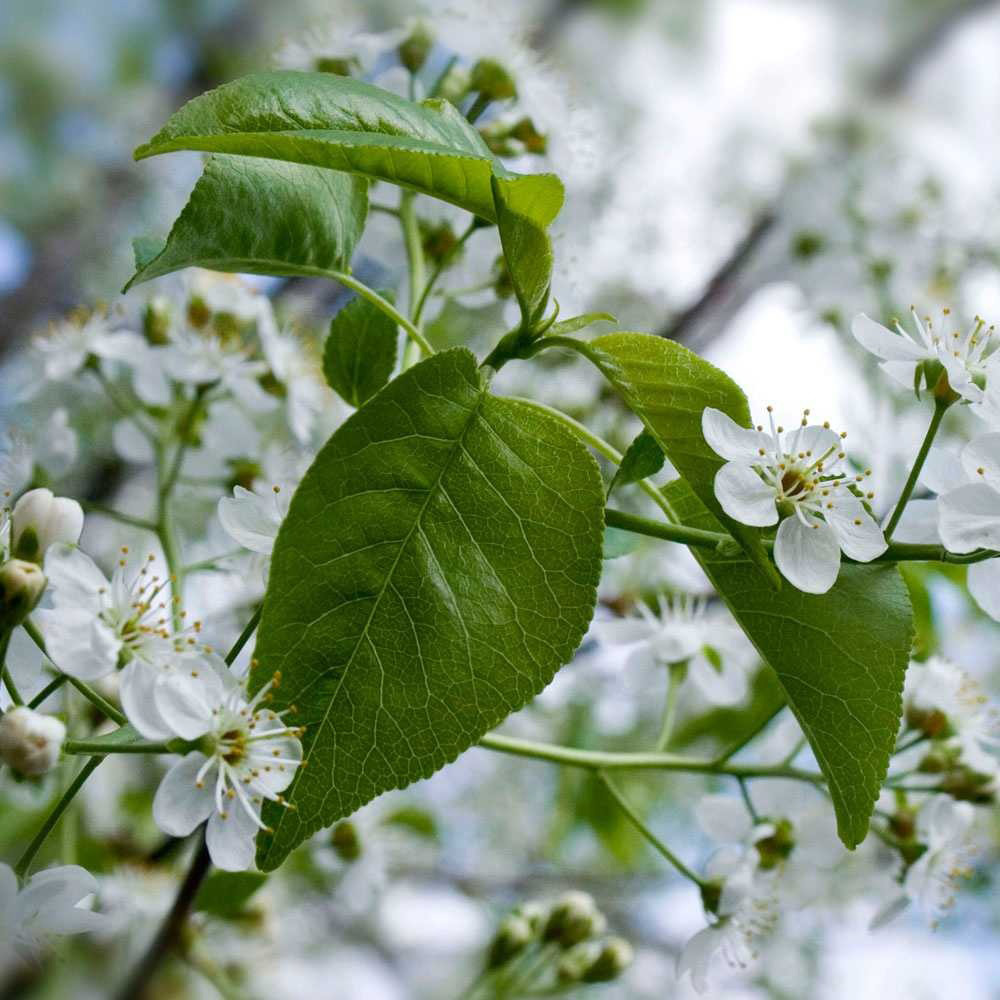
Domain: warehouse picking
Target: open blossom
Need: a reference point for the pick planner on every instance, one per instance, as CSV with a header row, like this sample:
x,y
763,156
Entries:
x,y
966,356
716,652
68,344
944,829
202,357
246,755
946,702
746,911
47,905
96,625
252,517
795,478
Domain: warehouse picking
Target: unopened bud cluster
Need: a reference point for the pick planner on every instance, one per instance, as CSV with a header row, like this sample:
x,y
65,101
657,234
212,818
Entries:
x,y
566,938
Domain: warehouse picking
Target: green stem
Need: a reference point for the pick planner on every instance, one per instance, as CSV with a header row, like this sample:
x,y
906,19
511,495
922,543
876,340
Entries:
x,y
909,744
101,704
639,823
751,736
676,674
479,105
244,637
15,695
22,866
599,760
382,304
416,269
940,408
895,553
125,408
205,565
133,522
185,423
85,689
92,748
50,688
442,266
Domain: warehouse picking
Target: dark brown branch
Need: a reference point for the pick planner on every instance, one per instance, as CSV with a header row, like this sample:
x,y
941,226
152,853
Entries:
x,y
170,931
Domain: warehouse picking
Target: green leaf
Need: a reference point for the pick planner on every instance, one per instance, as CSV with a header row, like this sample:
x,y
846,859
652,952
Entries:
x,y
262,217
438,563
840,656
577,323
644,458
668,387
326,120
360,351
526,245
226,894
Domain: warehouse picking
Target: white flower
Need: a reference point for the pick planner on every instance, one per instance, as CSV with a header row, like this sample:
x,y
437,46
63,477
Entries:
x,y
338,43
966,357
306,393
795,479
746,911
47,905
937,685
943,828
40,519
69,343
246,755
686,630
202,357
252,519
96,625
228,294
30,742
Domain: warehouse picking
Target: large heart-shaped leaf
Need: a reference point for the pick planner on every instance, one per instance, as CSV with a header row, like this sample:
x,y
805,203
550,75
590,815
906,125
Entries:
x,y
326,120
438,563
668,387
841,658
262,217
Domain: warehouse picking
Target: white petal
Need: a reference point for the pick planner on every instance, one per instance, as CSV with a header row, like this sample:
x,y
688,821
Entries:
x,y
139,700
724,818
984,586
120,346
883,343
74,578
744,496
903,372
622,631
981,460
251,520
970,518
944,820
48,903
919,523
815,439
808,556
727,686
184,704
131,444
943,470
79,643
231,841
859,535
731,441
180,805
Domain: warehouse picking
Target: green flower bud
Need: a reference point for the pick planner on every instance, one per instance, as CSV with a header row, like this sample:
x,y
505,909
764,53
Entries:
x,y
337,66
776,848
21,586
346,841
574,918
491,80
156,322
614,957
413,52
438,240
455,85
513,935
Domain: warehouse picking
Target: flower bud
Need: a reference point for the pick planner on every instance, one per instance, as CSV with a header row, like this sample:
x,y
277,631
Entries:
x,y
344,839
30,742
492,80
775,848
21,585
596,961
574,918
513,935
156,322
415,49
39,519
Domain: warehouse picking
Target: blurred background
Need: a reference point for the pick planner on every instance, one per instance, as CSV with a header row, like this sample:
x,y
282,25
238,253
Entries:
x,y
742,175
